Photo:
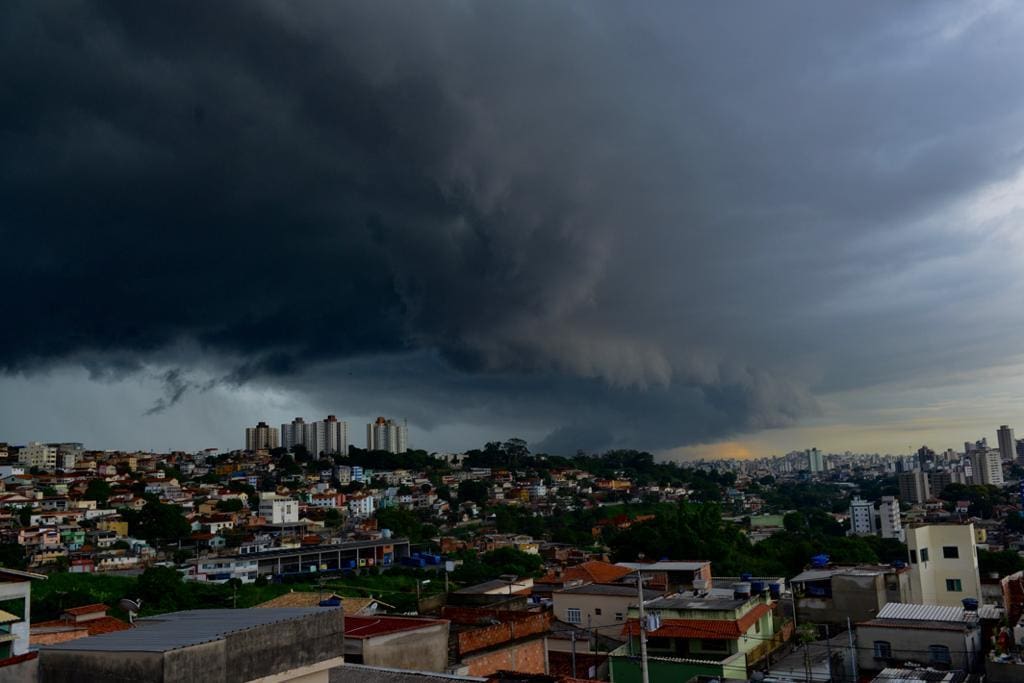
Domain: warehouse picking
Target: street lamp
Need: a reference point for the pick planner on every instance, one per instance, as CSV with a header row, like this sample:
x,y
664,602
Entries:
x,y
419,583
510,579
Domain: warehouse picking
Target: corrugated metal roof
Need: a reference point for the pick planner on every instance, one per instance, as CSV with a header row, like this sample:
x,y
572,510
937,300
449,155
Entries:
x,y
990,612
903,610
666,566
814,575
183,629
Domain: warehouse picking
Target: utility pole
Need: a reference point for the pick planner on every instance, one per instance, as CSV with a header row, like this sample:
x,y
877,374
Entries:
x,y
643,627
853,648
572,637
828,651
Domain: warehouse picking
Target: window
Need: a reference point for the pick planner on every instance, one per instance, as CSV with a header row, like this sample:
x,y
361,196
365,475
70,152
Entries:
x,y
950,552
883,649
954,586
597,611
714,645
913,556
618,616
573,615
939,654
924,554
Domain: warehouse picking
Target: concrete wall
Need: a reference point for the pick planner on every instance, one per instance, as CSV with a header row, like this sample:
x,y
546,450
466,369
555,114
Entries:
x,y
23,669
259,652
911,645
855,597
425,649
71,666
1009,672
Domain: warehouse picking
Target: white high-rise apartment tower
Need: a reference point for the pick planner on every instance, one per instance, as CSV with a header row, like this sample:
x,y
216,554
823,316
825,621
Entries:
x,y
261,437
815,460
889,519
329,436
987,467
293,434
386,435
862,517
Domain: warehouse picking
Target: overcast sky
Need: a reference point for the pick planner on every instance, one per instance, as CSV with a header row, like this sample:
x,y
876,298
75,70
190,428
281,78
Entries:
x,y
696,229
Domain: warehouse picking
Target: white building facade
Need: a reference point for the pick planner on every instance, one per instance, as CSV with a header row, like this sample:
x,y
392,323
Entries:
x,y
862,517
889,523
387,435
943,564
279,509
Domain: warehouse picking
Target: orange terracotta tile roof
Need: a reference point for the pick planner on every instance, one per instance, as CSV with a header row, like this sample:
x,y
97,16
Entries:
x,y
351,606
709,629
95,627
593,571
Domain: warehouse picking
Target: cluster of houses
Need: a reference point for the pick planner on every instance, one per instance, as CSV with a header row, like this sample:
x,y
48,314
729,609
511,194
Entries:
x,y
930,618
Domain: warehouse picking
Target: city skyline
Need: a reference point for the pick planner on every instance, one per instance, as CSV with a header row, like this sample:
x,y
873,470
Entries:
x,y
707,244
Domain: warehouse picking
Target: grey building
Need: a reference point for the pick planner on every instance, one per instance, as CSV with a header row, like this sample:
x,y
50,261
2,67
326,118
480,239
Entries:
x,y
928,635
206,646
832,595
1007,444
914,486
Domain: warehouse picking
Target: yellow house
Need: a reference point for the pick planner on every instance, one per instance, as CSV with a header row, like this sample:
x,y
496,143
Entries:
x,y
117,525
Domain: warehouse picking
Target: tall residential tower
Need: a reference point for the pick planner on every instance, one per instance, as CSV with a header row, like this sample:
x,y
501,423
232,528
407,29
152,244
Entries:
x,y
386,435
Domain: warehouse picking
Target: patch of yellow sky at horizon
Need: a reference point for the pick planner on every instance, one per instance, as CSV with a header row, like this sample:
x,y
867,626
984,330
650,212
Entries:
x,y
905,436
942,412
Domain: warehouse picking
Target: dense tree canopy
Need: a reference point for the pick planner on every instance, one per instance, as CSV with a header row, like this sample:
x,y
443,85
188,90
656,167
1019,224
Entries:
x,y
157,522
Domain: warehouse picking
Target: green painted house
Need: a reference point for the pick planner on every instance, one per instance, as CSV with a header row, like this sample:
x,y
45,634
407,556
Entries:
x,y
714,633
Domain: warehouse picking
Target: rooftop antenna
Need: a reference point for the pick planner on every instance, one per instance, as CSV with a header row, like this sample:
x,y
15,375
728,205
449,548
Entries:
x,y
132,607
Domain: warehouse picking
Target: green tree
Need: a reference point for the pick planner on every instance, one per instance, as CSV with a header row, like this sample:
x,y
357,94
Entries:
x,y
230,505
402,523
162,588
472,490
157,521
12,556
98,490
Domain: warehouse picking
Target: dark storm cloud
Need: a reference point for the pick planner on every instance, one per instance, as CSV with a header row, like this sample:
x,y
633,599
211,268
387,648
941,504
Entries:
x,y
642,226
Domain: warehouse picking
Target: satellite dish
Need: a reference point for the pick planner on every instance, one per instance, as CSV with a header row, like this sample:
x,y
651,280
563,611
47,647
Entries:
x,y
132,607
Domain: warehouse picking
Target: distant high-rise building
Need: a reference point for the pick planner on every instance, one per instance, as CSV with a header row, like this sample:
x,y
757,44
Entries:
x,y
261,437
889,523
862,517
914,486
979,445
386,435
294,433
335,436
41,455
328,437
1020,451
926,458
815,460
1007,444
987,467
938,481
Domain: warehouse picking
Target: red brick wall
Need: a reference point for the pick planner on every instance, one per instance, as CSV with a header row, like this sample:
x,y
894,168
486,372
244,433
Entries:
x,y
514,625
525,658
55,637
